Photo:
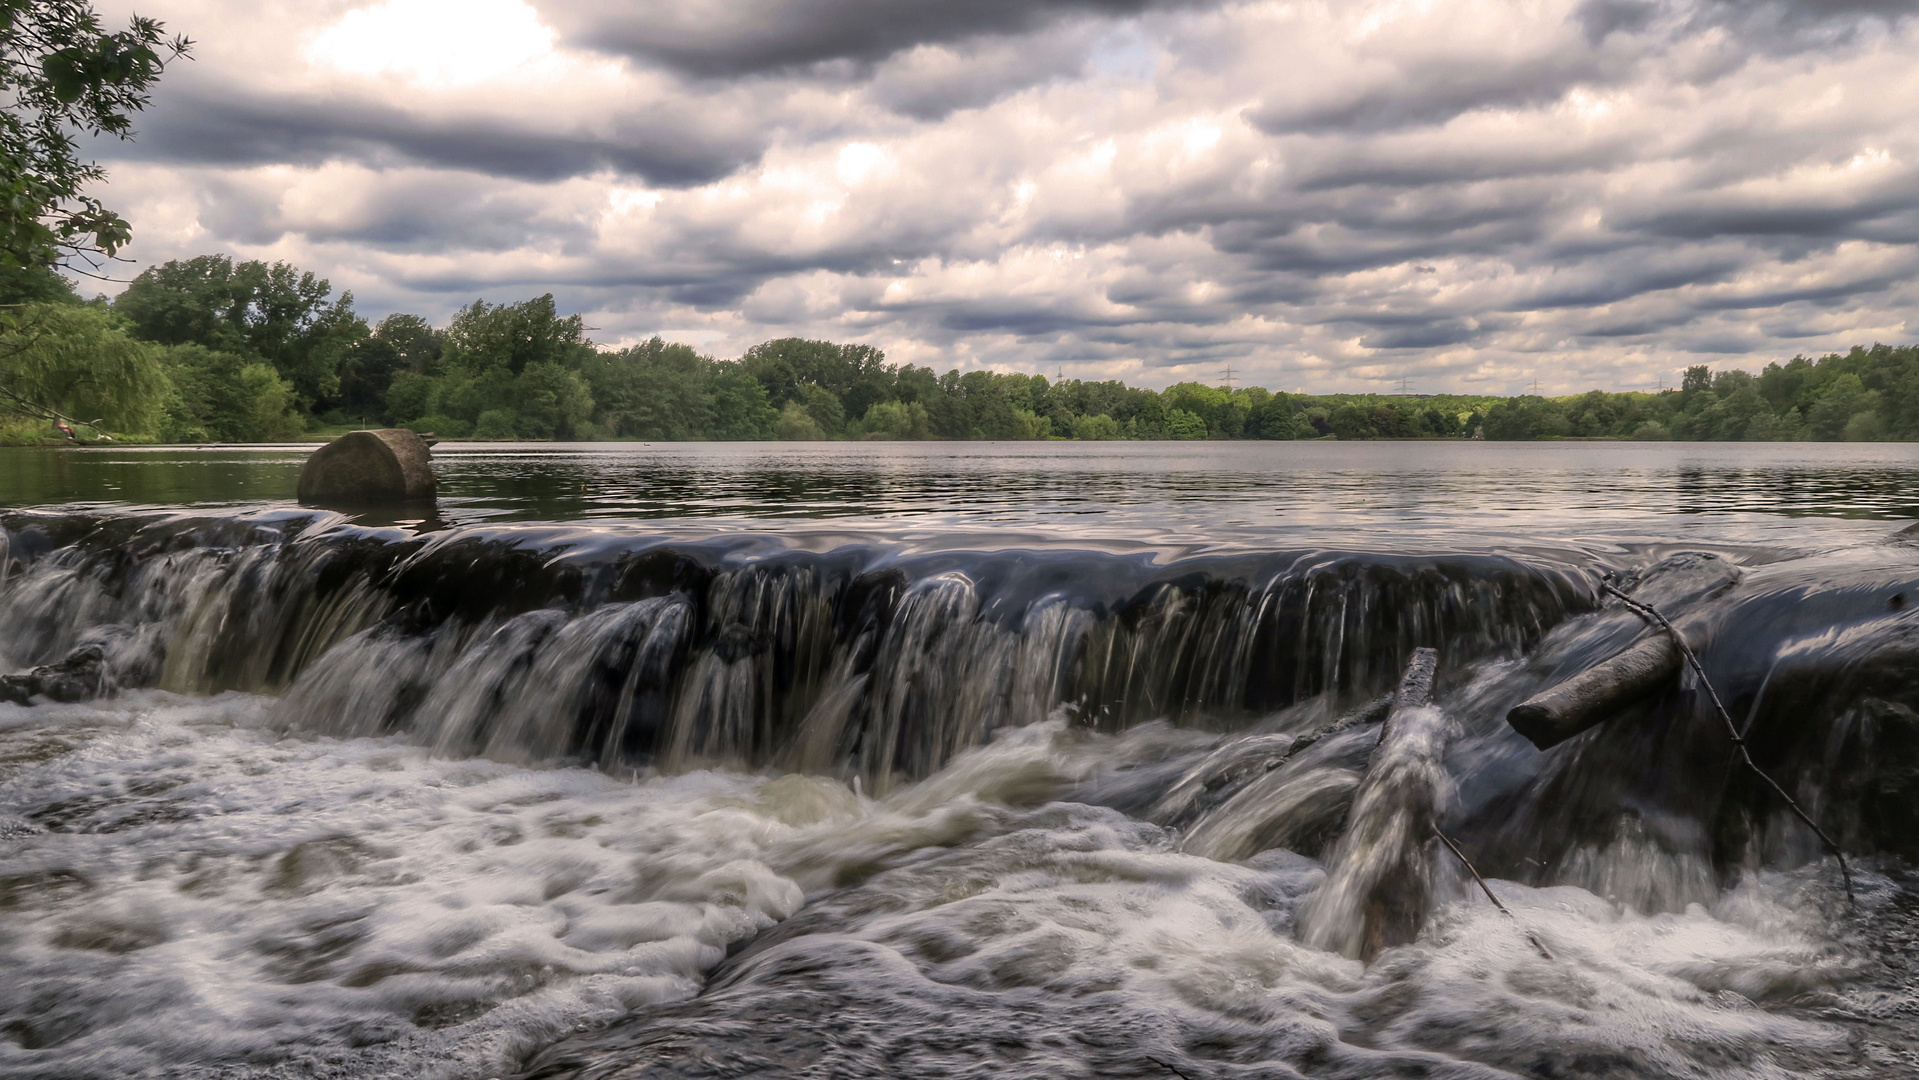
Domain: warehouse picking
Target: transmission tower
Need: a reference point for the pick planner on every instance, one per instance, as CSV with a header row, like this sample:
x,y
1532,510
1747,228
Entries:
x,y
1228,376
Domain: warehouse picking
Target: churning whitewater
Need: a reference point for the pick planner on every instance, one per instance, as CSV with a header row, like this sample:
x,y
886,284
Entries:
x,y
286,795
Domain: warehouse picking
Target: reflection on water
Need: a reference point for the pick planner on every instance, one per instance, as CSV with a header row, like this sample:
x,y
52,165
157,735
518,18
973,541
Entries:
x,y
1147,492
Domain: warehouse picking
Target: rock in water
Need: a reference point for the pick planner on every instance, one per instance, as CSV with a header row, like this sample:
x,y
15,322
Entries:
x,y
388,465
80,675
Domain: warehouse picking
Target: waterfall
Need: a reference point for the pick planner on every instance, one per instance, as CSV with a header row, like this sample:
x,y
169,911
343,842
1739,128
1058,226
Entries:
x,y
876,663
541,644
395,797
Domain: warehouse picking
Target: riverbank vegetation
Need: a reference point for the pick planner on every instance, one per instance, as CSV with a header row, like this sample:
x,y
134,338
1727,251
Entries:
x,y
213,350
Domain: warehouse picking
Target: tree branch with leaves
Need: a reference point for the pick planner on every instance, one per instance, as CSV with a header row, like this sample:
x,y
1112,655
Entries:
x,y
62,75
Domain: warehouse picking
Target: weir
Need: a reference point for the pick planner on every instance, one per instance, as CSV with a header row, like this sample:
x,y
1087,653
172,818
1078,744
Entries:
x,y
888,745
545,644
549,644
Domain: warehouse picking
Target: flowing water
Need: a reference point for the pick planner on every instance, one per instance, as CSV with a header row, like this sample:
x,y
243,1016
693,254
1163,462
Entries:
x,y
979,760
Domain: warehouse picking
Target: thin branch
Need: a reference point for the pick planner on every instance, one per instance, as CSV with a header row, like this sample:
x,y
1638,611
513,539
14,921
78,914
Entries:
x,y
1647,611
1488,890
96,277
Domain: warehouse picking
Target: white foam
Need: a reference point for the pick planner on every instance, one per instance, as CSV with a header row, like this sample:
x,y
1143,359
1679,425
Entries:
x,y
187,892
206,891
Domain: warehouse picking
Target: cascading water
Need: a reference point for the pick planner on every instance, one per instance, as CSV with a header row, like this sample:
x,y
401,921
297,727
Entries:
x,y
599,802
545,645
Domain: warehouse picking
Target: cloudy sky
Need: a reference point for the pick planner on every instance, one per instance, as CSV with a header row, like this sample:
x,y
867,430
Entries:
x,y
1468,194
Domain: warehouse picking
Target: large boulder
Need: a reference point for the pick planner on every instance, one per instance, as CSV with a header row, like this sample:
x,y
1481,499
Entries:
x,y
388,465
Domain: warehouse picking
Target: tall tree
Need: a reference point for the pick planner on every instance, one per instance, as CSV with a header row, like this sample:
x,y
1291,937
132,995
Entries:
x,y
220,396
855,374
400,344
271,312
512,336
34,284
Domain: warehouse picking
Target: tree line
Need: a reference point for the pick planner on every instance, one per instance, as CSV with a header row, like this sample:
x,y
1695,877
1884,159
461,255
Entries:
x,y
209,349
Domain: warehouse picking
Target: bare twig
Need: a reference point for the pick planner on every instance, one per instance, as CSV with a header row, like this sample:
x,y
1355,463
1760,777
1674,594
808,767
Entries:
x,y
1488,890
1648,612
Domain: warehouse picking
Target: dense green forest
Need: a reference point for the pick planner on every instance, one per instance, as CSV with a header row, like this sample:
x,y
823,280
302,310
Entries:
x,y
207,349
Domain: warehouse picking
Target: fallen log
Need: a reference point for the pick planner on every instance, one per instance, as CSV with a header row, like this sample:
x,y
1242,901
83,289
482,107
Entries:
x,y
1648,666
1284,808
1415,686
1226,771
1552,716
1379,878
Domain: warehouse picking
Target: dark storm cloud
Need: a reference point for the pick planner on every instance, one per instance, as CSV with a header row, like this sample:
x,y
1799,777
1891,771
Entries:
x,y
1796,25
1619,38
1403,167
416,212
928,82
1822,292
1702,217
1602,18
242,129
1636,271
1427,336
1432,93
723,38
1023,322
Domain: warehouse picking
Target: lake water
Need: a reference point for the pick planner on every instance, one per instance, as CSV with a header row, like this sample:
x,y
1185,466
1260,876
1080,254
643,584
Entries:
x,y
1186,494
954,760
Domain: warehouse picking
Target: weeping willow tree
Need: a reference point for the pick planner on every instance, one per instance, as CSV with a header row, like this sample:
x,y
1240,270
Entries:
x,y
62,363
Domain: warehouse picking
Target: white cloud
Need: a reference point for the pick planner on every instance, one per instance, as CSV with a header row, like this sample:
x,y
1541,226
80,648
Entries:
x,y
1473,193
435,43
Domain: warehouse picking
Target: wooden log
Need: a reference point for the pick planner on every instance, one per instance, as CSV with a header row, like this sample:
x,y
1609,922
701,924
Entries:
x,y
389,465
1395,907
1552,716
1378,878
1415,685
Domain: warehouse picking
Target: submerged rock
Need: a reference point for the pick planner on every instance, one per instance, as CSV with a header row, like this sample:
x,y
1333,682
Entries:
x,y
388,465
79,675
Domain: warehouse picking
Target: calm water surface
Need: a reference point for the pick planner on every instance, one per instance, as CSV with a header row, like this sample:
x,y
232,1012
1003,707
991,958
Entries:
x,y
1395,493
